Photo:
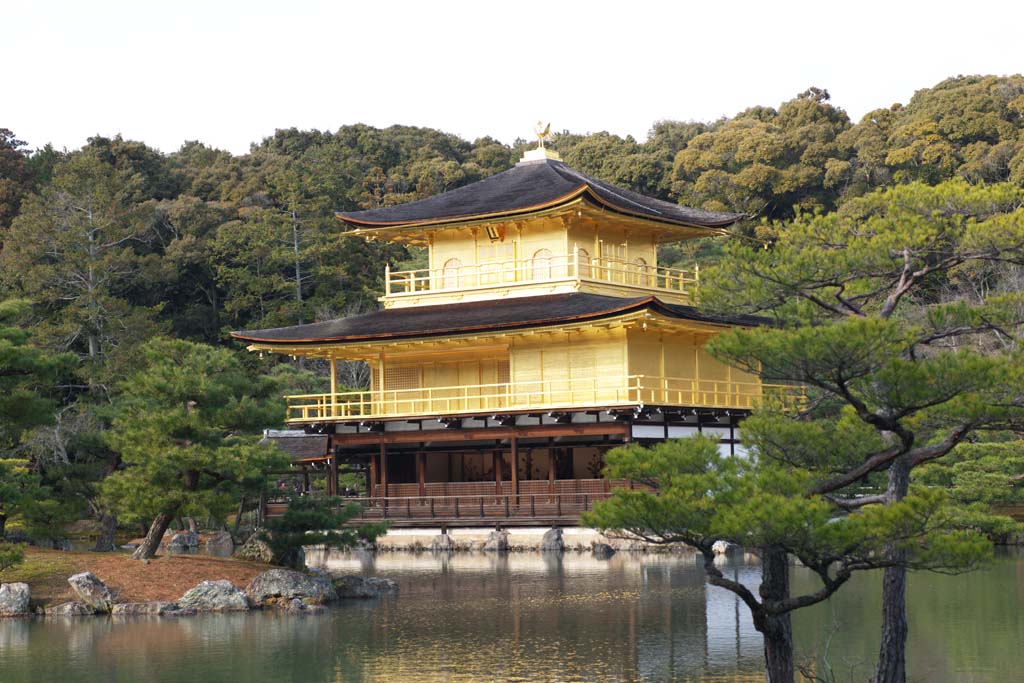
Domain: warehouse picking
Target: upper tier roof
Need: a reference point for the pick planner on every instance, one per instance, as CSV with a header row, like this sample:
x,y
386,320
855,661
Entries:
x,y
477,316
528,187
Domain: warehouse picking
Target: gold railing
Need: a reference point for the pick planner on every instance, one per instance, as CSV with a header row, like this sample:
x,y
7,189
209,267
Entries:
x,y
573,266
628,390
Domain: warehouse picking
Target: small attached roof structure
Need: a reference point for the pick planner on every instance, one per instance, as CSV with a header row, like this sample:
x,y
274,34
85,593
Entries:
x,y
530,187
478,316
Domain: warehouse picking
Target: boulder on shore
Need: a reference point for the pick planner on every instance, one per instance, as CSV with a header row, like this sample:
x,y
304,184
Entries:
x,y
255,550
126,609
552,541
220,544
497,541
70,609
363,587
14,599
281,585
297,606
92,591
721,547
602,551
214,596
183,542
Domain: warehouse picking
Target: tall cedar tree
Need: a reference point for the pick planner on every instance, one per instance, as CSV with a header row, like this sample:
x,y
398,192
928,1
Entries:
x,y
187,427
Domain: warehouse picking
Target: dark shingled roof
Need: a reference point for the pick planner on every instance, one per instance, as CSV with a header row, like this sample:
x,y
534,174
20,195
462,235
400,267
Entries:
x,y
532,186
475,316
300,446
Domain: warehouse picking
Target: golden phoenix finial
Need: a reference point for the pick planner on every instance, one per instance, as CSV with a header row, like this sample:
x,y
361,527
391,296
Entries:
x,y
543,132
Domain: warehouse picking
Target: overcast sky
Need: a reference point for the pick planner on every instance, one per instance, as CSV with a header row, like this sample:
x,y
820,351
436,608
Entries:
x,y
230,73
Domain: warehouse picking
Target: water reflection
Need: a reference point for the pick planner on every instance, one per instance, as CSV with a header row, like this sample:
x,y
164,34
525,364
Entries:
x,y
526,617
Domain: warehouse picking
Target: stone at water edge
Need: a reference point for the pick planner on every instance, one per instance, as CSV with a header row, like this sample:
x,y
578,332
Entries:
x,y
14,599
721,547
552,541
92,591
255,550
442,543
497,541
220,544
362,588
214,596
602,551
183,541
277,585
70,609
124,609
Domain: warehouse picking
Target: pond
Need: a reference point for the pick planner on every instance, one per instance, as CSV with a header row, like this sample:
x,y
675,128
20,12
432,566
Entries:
x,y
526,617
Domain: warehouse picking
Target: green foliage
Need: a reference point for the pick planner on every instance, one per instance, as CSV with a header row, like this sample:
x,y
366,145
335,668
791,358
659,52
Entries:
x,y
316,521
26,376
698,496
187,427
11,555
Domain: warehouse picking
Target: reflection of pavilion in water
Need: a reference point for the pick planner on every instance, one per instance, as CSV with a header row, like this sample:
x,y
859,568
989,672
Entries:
x,y
631,618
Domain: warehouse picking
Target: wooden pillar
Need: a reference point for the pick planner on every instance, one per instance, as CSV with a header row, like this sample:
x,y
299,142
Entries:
x,y
332,482
305,479
374,474
498,462
383,470
421,472
551,471
514,455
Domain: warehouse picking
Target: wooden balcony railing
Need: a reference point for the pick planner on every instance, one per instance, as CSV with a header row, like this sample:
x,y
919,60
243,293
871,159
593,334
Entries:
x,y
566,267
631,390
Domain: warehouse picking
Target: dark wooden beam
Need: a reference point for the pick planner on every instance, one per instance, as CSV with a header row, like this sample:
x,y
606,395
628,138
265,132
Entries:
x,y
481,434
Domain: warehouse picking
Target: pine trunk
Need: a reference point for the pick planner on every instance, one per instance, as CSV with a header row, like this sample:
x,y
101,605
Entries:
x,y
777,630
108,528
892,652
153,537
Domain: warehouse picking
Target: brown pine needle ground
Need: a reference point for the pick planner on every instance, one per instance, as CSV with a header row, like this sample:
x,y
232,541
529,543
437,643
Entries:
x,y
165,578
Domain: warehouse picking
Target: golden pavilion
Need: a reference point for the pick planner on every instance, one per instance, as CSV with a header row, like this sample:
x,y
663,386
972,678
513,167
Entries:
x,y
542,333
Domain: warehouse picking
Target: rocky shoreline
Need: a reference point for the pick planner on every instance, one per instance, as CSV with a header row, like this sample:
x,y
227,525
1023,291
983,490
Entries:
x,y
282,589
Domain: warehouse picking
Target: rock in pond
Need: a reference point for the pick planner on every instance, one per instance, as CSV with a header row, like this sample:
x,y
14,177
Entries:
x,y
442,543
552,541
183,542
497,541
721,547
362,587
128,609
70,609
214,596
296,606
14,599
92,591
220,544
602,551
255,550
279,585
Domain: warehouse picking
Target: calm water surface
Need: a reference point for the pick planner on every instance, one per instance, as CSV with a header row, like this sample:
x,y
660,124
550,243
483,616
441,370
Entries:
x,y
524,617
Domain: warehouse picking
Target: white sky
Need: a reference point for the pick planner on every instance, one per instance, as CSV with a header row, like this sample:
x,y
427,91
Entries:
x,y
229,73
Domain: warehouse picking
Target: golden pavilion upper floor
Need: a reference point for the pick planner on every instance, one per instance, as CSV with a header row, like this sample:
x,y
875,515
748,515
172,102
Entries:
x,y
574,351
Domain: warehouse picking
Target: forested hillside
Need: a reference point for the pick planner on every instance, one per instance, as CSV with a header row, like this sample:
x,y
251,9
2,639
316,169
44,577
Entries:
x,y
116,243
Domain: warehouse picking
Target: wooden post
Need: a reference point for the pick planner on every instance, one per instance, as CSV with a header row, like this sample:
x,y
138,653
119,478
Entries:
x,y
498,464
421,472
551,471
332,482
374,468
383,469
514,446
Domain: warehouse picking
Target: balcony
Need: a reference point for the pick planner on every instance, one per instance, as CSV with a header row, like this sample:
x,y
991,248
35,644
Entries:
x,y
571,272
603,392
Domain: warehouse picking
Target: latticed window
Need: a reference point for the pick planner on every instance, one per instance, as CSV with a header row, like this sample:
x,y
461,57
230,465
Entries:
x,y
450,275
401,377
504,374
542,264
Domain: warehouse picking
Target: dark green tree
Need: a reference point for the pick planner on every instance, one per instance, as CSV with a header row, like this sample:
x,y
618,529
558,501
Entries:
x,y
316,521
187,426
